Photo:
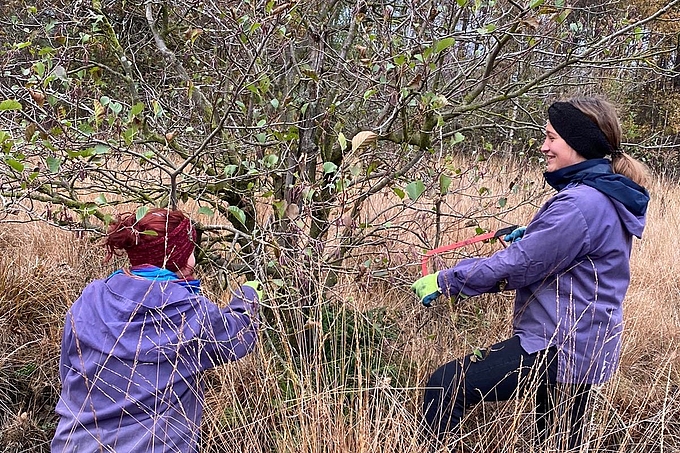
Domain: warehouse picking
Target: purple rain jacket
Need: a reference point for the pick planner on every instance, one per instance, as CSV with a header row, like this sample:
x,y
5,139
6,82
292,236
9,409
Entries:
x,y
570,272
133,352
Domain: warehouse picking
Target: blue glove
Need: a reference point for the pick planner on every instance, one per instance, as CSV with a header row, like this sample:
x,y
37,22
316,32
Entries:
x,y
427,289
516,235
257,286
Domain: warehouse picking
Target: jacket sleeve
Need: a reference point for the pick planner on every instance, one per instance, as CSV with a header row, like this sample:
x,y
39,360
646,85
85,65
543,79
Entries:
x,y
231,332
554,239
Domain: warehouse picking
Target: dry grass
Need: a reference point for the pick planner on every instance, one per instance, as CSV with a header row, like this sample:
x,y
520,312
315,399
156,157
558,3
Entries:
x,y
357,385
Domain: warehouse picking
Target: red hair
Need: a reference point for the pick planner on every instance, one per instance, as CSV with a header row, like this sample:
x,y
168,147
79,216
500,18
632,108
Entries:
x,y
163,238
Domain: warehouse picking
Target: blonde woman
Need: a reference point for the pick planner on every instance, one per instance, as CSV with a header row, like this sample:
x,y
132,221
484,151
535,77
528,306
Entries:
x,y
570,269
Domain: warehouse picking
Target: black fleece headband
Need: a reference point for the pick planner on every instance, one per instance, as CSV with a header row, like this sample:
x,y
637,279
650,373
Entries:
x,y
579,131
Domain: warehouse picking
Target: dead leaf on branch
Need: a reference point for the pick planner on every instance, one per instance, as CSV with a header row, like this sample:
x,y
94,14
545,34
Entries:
x,y
38,97
531,23
363,140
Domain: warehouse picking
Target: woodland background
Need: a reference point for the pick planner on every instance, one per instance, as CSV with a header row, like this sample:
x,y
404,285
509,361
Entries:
x,y
323,147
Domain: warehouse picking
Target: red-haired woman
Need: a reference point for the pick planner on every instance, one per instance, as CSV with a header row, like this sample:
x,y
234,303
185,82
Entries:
x,y
136,343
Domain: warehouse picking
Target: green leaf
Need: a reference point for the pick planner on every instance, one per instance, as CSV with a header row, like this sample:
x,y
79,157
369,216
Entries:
x,y
149,233
229,170
329,167
372,167
275,103
444,44
157,109
415,189
355,170
535,3
10,104
487,29
53,163
101,200
116,107
238,213
308,194
400,193
343,141
15,164
129,135
47,144
137,109
457,138
279,207
638,33
270,160
39,68
399,59
444,184
22,45
101,149
205,210
341,184
477,355
369,93
502,202
141,212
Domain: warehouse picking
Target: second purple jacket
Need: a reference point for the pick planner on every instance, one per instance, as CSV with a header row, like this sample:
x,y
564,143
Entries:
x,y
571,272
133,352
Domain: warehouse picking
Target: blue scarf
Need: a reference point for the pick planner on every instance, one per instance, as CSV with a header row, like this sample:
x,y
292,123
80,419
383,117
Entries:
x,y
161,275
597,173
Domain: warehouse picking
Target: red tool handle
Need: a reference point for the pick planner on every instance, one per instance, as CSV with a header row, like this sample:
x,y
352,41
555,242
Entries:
x,y
447,248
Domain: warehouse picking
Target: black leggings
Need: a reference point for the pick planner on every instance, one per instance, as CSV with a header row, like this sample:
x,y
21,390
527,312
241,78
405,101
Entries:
x,y
506,371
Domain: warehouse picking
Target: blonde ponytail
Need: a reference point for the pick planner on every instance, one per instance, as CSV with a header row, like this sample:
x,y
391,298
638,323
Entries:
x,y
633,169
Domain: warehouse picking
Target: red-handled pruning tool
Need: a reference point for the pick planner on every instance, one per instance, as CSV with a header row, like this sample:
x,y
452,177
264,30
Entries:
x,y
447,248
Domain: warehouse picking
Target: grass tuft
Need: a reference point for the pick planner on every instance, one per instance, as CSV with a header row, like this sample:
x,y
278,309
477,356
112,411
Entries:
x,y
348,375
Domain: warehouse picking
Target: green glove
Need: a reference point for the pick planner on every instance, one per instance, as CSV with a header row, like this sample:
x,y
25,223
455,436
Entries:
x,y
257,286
427,289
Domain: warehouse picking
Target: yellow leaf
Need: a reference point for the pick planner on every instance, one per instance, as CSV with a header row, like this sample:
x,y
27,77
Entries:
x,y
30,130
99,112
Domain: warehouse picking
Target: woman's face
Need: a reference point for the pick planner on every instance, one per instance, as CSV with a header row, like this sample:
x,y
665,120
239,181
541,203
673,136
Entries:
x,y
558,154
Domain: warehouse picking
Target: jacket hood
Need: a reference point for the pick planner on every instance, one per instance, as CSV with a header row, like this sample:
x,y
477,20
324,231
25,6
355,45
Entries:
x,y
155,310
597,173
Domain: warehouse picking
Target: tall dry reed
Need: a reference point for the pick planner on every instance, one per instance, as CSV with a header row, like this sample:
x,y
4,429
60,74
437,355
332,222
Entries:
x,y
356,384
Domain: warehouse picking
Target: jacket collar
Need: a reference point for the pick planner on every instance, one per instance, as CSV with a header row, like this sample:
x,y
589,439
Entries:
x,y
597,173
